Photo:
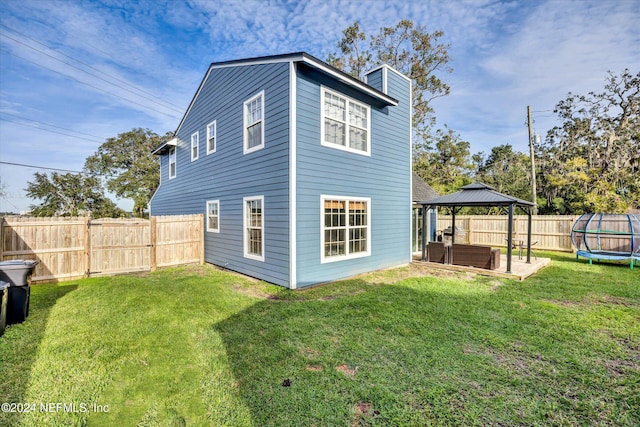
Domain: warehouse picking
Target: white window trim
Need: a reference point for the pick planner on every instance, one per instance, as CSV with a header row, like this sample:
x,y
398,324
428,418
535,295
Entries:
x,y
246,125
213,125
324,91
195,143
209,229
245,238
325,259
173,152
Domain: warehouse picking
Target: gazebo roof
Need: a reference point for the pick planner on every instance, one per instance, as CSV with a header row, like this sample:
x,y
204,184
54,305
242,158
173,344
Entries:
x,y
477,194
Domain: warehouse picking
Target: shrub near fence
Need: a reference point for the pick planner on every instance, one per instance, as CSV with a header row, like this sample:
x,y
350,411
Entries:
x,y
70,248
552,232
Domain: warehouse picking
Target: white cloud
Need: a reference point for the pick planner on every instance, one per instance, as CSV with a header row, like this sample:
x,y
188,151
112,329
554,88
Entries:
x,y
505,54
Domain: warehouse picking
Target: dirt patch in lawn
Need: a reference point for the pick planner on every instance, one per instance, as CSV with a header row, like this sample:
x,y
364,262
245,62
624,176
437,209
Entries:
x,y
347,370
362,414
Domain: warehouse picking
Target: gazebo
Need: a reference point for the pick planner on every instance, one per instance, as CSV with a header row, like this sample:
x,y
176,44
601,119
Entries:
x,y
481,195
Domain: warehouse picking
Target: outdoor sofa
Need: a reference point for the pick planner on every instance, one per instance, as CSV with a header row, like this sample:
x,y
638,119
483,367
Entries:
x,y
474,256
437,252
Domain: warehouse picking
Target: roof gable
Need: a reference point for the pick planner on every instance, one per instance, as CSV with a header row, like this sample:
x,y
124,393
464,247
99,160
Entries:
x,y
303,57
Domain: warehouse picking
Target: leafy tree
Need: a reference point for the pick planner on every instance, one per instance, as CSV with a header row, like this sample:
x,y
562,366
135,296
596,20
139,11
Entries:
x,y
447,167
131,171
506,170
70,194
409,49
591,162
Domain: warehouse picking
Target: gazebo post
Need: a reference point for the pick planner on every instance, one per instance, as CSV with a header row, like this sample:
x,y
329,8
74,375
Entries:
x,y
424,232
529,221
453,225
510,238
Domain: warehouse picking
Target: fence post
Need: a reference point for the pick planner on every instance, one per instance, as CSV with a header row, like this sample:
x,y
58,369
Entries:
x,y
470,230
153,223
201,226
87,246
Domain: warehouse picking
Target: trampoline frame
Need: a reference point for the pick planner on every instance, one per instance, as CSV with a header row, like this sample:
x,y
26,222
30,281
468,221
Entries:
x,y
632,256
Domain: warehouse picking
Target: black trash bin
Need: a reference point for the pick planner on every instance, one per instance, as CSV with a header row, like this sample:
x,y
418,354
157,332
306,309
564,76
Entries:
x,y
4,297
17,273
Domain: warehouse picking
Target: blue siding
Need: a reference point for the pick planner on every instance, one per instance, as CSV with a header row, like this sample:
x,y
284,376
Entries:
x,y
228,175
384,177
374,79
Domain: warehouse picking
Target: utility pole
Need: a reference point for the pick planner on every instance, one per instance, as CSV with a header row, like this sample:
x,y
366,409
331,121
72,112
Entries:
x,y
533,164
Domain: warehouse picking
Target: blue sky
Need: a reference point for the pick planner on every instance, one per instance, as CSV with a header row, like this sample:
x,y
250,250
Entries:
x,y
73,73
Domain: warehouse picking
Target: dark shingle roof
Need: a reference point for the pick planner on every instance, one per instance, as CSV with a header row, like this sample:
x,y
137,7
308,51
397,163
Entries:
x,y
421,190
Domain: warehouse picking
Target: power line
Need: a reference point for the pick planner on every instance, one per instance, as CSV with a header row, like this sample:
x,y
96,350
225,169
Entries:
x,y
39,167
49,124
161,102
99,138
88,84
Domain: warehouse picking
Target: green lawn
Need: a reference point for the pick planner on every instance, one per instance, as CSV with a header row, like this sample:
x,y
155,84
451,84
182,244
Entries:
x,y
199,346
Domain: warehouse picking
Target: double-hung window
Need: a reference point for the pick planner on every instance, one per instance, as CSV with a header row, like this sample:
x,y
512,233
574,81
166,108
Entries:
x,y
195,146
211,137
172,162
345,227
254,123
213,216
254,227
346,123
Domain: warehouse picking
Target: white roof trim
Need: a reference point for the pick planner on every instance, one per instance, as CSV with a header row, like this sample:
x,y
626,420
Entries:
x,y
295,57
350,81
171,143
390,68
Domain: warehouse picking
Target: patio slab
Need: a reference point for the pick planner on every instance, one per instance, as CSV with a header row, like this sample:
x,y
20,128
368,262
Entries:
x,y
520,270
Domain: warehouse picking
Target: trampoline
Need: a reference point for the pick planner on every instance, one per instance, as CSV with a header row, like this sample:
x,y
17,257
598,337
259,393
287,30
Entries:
x,y
607,237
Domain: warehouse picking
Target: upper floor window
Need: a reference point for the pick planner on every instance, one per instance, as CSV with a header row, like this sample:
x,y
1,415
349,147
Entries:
x,y
195,146
254,123
172,162
211,137
346,123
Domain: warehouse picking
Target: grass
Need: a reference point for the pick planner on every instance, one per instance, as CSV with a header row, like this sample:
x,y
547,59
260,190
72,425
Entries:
x,y
199,346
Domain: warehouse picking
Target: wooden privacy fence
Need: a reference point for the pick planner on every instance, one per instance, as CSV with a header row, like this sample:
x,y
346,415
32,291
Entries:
x,y
71,248
552,232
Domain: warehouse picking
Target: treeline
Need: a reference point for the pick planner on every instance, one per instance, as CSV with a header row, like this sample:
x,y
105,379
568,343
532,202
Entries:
x,y
590,162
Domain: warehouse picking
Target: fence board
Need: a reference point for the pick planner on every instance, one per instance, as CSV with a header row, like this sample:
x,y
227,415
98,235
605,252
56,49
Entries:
x,y
551,232
119,246
179,240
70,248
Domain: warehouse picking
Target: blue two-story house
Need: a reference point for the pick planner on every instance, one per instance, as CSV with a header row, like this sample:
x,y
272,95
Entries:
x,y
302,172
